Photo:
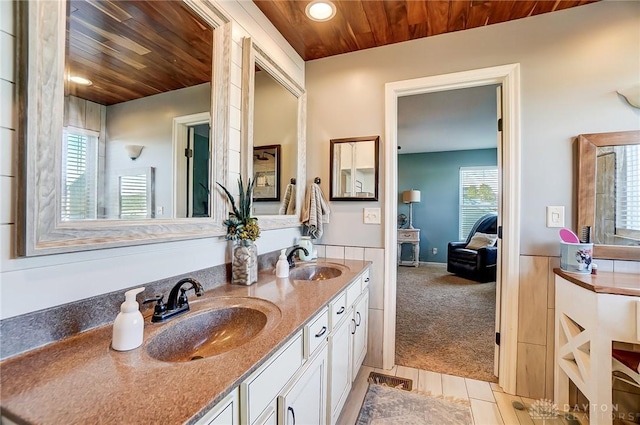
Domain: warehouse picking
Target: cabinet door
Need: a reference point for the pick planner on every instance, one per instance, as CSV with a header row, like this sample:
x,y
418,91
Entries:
x,y
224,413
360,316
339,367
304,402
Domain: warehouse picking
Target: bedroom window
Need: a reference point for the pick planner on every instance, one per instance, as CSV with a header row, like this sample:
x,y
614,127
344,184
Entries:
x,y
478,195
79,174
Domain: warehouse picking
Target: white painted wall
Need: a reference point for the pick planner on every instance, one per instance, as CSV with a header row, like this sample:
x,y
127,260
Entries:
x,y
572,62
30,284
149,122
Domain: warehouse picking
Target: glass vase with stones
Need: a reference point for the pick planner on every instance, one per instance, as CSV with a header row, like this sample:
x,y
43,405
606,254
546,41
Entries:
x,y
244,263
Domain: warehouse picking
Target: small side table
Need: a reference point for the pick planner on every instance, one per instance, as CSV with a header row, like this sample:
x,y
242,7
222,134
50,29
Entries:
x,y
411,236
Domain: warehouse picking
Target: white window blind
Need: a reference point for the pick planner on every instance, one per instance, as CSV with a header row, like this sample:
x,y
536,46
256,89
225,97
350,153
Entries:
x,y
134,199
627,189
478,195
79,175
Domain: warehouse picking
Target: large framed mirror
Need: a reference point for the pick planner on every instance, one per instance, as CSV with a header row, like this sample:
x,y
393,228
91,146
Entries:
x,y
273,130
107,89
608,192
354,163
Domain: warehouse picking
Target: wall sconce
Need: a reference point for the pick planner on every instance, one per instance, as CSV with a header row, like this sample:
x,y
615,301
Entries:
x,y
409,197
133,151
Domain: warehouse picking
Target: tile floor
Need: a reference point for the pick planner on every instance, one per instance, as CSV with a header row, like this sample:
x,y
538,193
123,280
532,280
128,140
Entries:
x,y
489,404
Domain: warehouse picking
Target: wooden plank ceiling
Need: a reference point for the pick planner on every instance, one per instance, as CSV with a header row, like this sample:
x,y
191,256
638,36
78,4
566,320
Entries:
x,y
134,49
361,24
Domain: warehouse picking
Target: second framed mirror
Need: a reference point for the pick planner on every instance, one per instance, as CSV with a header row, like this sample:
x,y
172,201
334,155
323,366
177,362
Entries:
x,y
273,136
354,164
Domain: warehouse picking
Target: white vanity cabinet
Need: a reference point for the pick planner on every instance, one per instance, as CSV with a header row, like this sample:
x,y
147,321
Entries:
x,y
224,413
360,333
339,368
307,380
347,342
304,400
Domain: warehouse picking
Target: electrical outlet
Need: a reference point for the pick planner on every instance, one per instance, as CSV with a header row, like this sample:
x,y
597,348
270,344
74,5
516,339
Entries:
x,y
372,215
434,251
555,216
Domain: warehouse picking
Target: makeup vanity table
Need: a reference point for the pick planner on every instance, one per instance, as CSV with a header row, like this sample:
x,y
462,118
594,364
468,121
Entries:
x,y
592,311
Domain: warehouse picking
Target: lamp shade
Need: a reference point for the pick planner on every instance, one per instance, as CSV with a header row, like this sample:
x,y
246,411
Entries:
x,y
409,196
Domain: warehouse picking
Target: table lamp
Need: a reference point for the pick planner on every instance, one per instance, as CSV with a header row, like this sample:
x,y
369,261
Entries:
x,y
409,197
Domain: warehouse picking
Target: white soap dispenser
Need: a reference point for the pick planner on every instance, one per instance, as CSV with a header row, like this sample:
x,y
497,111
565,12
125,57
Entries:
x,y
282,266
128,327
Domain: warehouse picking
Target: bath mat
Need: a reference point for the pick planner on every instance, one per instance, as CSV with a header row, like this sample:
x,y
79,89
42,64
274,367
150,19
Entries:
x,y
384,405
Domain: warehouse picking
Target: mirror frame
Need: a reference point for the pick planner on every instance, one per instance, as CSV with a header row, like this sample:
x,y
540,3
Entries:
x,y
41,27
587,147
252,54
333,142
276,197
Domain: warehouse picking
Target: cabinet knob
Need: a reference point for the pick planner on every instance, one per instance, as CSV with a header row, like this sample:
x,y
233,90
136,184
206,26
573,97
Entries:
x,y
354,327
359,318
340,311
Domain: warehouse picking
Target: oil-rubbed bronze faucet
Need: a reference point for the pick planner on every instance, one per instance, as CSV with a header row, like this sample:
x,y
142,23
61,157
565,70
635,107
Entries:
x,y
177,303
293,251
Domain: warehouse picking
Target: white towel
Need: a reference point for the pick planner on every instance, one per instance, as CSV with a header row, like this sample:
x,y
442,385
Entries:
x,y
288,205
315,210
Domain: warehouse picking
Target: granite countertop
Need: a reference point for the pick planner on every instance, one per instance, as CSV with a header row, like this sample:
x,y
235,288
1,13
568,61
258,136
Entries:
x,y
605,282
81,380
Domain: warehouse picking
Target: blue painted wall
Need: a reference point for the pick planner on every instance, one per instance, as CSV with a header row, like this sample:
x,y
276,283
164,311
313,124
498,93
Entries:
x,y
436,176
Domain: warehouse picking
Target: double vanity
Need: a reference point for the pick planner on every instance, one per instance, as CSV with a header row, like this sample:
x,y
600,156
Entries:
x,y
261,354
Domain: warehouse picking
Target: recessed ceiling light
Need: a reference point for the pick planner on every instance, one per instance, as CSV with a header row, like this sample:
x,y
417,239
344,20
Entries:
x,y
80,80
321,10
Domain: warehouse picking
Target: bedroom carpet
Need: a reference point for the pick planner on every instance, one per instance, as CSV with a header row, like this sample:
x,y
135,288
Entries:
x,y
445,323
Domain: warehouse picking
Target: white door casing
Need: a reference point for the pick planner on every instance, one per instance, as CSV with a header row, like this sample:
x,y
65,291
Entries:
x,y
509,77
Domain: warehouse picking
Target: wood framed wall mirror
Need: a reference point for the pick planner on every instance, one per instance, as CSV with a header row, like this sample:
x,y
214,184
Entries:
x,y
355,169
273,129
121,92
608,188
266,171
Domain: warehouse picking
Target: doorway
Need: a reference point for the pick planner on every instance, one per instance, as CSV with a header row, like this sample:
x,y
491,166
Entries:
x,y
448,153
508,76
191,166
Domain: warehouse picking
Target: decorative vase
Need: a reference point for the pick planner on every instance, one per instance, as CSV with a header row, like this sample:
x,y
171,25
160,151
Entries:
x,y
244,263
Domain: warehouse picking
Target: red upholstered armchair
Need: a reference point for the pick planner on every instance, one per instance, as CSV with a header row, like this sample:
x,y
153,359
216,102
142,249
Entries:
x,y
475,264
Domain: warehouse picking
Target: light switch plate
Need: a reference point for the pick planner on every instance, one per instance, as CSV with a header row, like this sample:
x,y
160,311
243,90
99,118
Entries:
x,y
555,216
372,215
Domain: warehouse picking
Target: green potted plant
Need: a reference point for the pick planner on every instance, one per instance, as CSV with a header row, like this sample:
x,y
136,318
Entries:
x,y
243,230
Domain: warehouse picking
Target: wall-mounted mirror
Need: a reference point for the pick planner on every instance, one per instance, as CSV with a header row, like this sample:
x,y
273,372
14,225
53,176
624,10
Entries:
x,y
274,132
114,88
354,164
608,190
266,172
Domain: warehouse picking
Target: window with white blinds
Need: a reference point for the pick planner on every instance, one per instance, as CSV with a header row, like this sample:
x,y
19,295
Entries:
x,y
79,175
628,190
134,197
478,195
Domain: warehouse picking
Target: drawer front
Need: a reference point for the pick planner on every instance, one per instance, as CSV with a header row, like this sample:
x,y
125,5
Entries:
x,y
353,292
262,388
407,236
316,332
338,309
366,278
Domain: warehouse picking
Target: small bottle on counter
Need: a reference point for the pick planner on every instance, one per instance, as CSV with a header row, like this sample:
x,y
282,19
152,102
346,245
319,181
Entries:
x,y
128,328
282,266
594,268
